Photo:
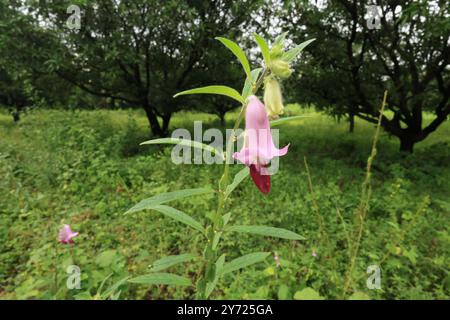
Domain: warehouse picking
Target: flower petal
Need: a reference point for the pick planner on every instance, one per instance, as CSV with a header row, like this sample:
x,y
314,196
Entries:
x,y
262,181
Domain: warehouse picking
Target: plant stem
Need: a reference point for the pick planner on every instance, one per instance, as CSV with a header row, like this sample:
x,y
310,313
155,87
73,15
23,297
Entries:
x,y
364,202
214,230
315,205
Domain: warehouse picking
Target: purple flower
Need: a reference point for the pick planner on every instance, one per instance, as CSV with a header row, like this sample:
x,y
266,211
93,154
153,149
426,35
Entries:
x,y
66,234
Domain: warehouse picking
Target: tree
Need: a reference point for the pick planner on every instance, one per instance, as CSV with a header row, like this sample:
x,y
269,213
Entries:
x,y
141,52
22,85
351,64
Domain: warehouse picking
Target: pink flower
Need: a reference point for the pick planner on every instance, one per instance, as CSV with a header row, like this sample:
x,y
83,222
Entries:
x,y
66,234
314,253
258,148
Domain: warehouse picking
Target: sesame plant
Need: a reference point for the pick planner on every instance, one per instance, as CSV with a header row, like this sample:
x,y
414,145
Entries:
x,y
256,154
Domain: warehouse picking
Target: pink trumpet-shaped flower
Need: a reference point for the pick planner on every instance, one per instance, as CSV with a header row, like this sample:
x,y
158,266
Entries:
x,y
258,148
66,234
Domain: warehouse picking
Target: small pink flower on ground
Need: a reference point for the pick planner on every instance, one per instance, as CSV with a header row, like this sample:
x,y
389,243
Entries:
x,y
314,253
66,234
258,148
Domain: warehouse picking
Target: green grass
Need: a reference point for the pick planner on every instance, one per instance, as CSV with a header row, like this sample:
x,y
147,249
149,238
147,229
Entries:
x,y
86,168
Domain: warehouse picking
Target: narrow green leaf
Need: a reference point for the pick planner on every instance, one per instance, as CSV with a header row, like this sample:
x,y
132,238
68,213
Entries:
x,y
264,48
238,52
179,216
226,217
279,121
267,231
244,261
221,90
170,261
166,197
219,266
184,142
238,178
248,86
111,290
161,278
290,55
280,39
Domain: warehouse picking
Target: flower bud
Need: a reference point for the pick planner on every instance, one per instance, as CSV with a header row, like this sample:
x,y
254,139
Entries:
x,y
273,98
276,52
280,68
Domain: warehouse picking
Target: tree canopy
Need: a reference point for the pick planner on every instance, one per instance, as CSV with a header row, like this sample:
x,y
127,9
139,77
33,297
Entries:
x,y
140,53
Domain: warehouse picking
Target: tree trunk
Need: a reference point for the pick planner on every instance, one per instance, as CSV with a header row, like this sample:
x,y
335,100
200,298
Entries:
x,y
153,121
165,125
222,119
16,116
351,119
407,144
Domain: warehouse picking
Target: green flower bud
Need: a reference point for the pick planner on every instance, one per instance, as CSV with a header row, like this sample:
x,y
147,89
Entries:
x,y
273,99
280,68
276,52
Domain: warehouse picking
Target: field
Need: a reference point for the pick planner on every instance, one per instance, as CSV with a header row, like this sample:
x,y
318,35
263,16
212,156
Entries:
x,y
86,168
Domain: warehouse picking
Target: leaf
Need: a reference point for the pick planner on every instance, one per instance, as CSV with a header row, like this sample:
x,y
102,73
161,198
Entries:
x,y
307,294
166,197
277,122
264,48
358,295
238,178
219,266
170,261
237,51
226,217
283,292
108,292
290,55
221,90
248,86
161,278
184,142
244,261
267,231
280,39
179,216
106,258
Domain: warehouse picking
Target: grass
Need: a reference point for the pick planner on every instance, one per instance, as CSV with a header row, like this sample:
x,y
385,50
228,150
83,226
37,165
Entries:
x,y
86,168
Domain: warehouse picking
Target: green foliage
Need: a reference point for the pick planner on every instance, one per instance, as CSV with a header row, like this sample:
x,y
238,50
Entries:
x,y
162,278
221,90
244,261
169,261
159,199
77,168
264,49
237,51
267,231
184,142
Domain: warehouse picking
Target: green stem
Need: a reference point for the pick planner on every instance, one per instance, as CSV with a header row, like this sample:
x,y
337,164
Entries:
x,y
214,230
364,204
